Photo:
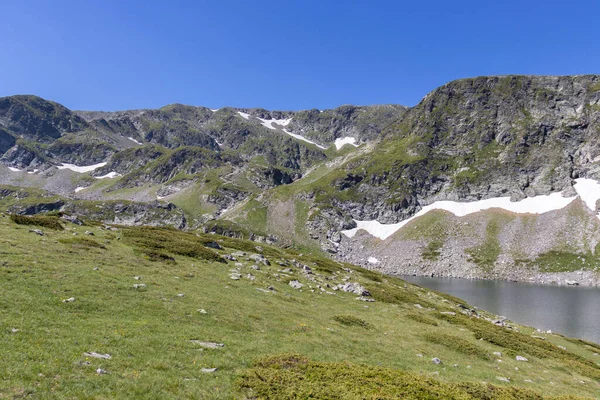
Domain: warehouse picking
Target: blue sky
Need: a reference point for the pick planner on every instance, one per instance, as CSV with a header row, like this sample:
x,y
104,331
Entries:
x,y
110,55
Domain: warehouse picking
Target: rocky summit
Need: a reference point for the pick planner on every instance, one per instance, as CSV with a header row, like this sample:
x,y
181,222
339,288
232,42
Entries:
x,y
489,177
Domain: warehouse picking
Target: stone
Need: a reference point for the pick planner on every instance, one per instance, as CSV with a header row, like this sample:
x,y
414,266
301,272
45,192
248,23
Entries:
x,y
259,258
367,299
250,277
139,285
137,278
14,330
181,295
503,379
498,354
37,232
295,284
93,354
69,300
521,358
436,360
202,311
101,371
235,277
208,370
213,245
72,219
89,233
208,345
356,288
255,267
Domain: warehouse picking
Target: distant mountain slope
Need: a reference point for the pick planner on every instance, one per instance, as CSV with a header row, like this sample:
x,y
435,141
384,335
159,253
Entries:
x,y
303,178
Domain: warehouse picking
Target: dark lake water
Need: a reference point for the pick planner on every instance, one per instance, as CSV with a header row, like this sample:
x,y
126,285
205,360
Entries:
x,y
572,311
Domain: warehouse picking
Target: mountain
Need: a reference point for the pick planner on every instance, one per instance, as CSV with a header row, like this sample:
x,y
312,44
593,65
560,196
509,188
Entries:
x,y
490,177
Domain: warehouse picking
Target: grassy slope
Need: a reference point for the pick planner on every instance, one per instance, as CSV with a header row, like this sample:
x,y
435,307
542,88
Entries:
x,y
148,331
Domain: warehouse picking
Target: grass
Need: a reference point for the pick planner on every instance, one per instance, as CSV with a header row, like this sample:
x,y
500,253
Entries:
x,y
82,242
148,331
486,254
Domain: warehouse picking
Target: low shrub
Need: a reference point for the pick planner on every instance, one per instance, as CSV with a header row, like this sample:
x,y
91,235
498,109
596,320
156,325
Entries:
x,y
458,344
422,319
296,377
44,221
155,241
349,320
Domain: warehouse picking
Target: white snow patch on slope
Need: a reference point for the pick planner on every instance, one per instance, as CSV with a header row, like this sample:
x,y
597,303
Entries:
x,y
214,109
530,205
79,189
133,140
269,123
244,115
340,142
373,260
35,171
83,169
13,169
285,122
112,174
589,191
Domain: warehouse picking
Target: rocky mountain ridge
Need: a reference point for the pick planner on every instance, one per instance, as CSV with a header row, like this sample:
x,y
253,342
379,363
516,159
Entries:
x,y
287,175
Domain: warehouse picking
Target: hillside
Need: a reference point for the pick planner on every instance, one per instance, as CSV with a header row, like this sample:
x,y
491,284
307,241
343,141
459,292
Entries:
x,y
99,311
512,150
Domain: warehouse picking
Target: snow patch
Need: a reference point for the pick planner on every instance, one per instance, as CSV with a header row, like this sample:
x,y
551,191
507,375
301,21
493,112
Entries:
x,y
112,174
214,109
83,169
160,197
589,191
35,171
339,143
373,260
13,169
269,123
286,122
530,205
79,189
244,115
134,141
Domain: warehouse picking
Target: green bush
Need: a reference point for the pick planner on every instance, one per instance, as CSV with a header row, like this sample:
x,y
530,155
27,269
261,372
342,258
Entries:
x,y
457,344
154,241
296,377
523,344
421,318
50,222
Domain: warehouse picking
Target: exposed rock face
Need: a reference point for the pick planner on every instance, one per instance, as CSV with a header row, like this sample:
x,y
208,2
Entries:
x,y
479,138
36,119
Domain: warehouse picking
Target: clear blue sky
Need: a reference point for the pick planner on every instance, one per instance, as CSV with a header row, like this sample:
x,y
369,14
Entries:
x,y
110,55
